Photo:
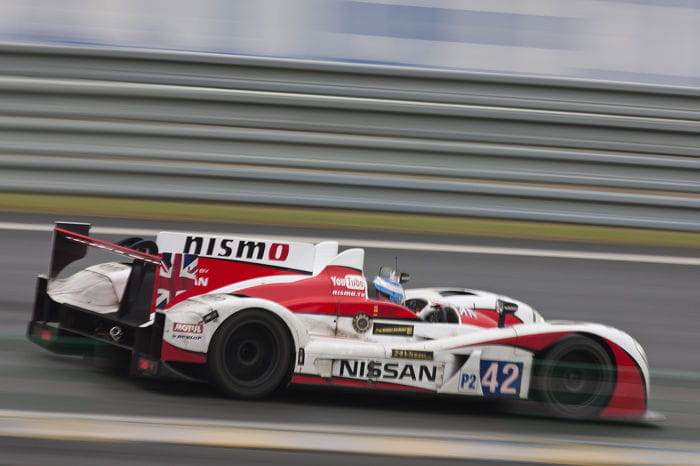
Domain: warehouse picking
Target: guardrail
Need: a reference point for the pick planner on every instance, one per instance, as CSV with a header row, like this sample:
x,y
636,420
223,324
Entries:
x,y
189,126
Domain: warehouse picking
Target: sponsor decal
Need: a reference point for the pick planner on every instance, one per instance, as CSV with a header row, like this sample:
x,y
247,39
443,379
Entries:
x,y
229,248
387,371
349,285
505,306
181,327
412,354
270,252
178,273
361,322
466,311
351,282
461,310
182,336
392,329
494,378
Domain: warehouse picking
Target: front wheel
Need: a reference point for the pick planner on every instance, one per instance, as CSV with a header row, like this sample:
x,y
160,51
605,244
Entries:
x,y
575,378
250,355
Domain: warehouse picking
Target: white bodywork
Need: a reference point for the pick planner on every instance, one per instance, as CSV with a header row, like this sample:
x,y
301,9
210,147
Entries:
x,y
468,299
98,288
456,350
441,357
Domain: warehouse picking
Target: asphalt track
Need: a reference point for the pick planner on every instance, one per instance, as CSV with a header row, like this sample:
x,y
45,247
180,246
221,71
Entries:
x,y
655,301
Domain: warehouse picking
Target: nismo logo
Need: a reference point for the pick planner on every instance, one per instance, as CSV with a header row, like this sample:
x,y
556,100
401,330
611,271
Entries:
x,y
229,248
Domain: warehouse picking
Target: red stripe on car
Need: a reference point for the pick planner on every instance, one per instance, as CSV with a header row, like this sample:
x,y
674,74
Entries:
x,y
169,352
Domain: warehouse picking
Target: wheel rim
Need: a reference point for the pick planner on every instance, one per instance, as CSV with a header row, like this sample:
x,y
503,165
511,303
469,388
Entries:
x,y
578,379
251,354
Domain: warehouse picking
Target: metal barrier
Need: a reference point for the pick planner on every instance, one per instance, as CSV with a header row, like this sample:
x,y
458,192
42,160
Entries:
x,y
189,126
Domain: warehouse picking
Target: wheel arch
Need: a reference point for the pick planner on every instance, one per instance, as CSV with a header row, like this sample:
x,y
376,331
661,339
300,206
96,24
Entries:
x,y
213,310
541,337
631,387
538,354
293,324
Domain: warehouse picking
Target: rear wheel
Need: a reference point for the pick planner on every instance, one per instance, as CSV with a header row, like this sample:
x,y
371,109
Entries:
x,y
250,355
575,378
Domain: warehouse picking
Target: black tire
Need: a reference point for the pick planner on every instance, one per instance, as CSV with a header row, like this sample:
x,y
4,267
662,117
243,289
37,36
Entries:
x,y
250,355
575,378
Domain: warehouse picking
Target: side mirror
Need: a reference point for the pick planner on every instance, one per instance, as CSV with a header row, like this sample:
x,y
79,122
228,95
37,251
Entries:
x,y
504,308
404,277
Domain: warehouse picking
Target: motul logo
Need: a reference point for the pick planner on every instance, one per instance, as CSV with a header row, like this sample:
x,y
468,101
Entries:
x,y
236,249
351,282
187,328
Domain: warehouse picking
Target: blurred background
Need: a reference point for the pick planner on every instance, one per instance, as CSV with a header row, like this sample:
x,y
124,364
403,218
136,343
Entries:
x,y
545,149
577,112
653,41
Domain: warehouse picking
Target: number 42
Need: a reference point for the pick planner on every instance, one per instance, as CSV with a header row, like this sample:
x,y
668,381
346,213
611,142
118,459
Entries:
x,y
490,379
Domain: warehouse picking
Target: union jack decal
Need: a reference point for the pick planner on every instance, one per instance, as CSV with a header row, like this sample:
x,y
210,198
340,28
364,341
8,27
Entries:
x,y
178,273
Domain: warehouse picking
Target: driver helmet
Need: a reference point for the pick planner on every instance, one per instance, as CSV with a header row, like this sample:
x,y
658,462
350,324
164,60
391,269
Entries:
x,y
388,289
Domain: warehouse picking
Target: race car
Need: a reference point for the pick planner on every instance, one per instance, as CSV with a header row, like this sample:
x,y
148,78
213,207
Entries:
x,y
253,315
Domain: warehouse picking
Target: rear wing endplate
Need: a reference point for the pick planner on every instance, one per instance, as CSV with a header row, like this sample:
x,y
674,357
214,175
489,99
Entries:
x,y
70,243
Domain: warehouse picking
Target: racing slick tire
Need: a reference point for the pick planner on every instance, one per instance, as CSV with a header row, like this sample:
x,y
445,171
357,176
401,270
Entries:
x,y
575,378
250,355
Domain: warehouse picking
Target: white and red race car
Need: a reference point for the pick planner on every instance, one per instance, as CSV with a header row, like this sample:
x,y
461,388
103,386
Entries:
x,y
253,315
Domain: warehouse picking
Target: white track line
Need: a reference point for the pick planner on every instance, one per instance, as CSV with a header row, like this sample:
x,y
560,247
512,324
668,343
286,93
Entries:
x,y
399,245
344,439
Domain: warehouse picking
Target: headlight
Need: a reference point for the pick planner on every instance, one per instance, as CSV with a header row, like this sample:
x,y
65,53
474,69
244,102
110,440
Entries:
x,y
641,351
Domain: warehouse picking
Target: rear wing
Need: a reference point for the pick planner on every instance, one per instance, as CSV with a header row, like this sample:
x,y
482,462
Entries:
x,y
191,264
71,242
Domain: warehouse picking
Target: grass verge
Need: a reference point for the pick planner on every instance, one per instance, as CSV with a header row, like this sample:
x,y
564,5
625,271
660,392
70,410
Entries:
x,y
338,219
